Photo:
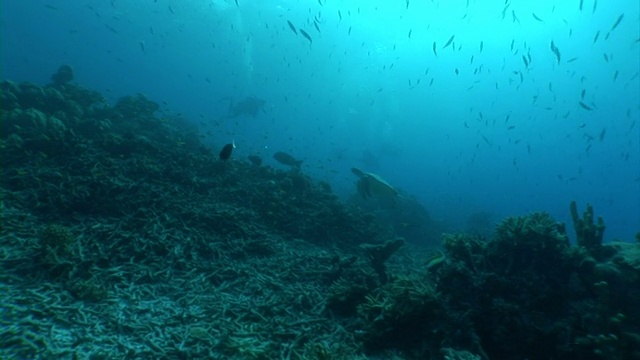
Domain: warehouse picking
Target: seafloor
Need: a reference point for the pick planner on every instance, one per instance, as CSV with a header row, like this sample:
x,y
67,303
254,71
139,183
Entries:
x,y
124,237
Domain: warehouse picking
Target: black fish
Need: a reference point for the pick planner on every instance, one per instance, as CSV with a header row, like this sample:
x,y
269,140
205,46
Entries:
x,y
555,50
286,159
225,153
293,28
304,33
585,106
615,25
449,42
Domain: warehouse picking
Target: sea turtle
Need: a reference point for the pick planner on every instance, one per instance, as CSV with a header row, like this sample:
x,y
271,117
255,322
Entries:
x,y
371,184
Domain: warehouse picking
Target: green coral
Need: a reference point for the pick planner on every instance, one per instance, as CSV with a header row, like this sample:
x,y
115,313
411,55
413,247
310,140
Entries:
x,y
345,295
401,314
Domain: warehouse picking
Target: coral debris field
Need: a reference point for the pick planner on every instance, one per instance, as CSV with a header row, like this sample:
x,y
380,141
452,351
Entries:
x,y
124,237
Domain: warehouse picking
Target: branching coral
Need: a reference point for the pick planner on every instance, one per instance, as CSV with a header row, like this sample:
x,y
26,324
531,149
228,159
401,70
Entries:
x,y
588,233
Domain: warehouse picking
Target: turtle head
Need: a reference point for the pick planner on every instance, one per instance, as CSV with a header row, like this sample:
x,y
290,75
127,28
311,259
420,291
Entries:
x,y
357,172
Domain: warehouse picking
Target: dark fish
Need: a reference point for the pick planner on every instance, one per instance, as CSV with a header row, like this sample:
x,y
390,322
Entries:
x,y
286,159
435,52
316,26
225,153
615,25
602,133
306,36
580,7
255,160
555,50
449,42
504,11
514,17
481,45
410,33
585,106
595,38
293,28
536,17
526,62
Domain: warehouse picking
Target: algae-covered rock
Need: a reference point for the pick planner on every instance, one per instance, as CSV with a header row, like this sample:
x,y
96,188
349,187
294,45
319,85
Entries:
x,y
31,96
19,119
136,106
63,75
8,95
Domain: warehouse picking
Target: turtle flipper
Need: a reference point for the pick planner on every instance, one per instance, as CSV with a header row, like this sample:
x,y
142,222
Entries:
x,y
363,188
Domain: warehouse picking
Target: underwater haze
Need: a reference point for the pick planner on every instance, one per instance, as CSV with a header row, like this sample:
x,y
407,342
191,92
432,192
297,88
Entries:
x,y
502,107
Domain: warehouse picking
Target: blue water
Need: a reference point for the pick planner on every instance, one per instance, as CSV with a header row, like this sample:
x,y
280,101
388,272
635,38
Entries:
x,y
476,127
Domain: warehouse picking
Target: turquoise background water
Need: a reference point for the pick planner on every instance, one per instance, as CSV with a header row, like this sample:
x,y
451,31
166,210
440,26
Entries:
x,y
471,127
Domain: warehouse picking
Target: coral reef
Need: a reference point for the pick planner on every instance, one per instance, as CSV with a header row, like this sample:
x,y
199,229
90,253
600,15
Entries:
x,y
111,218
526,292
123,236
